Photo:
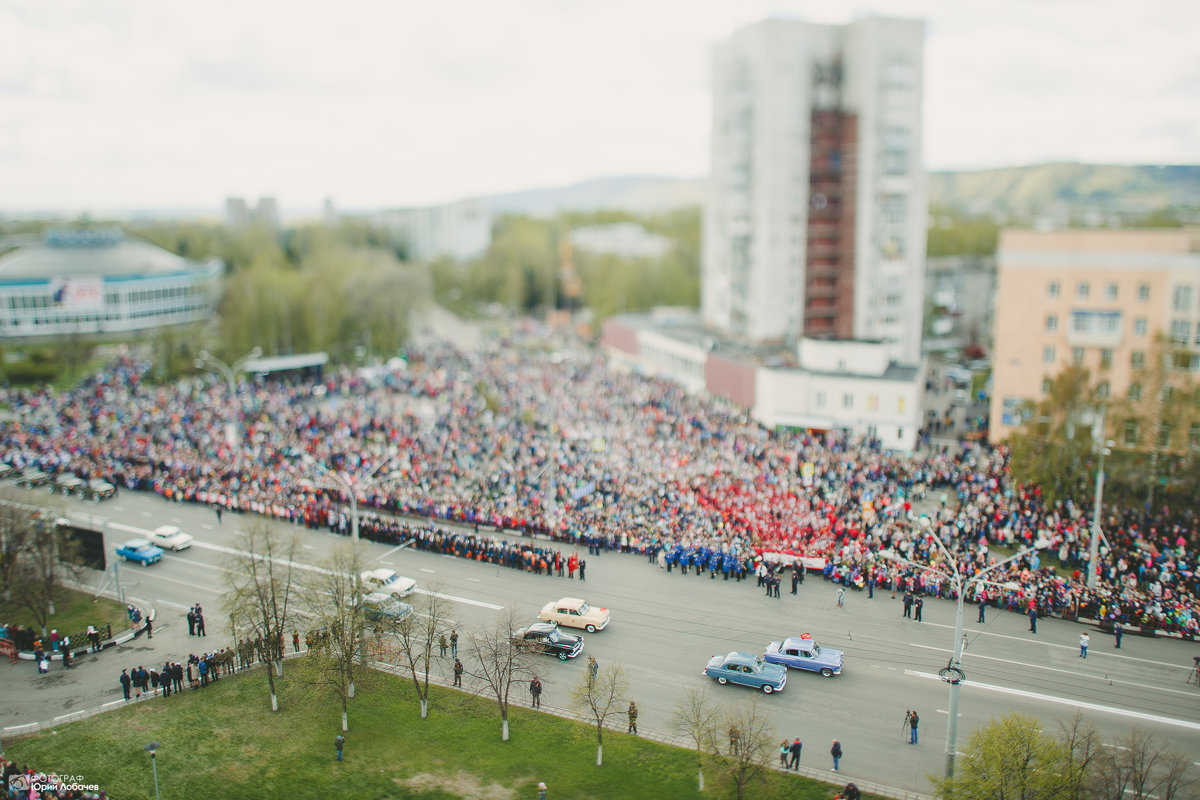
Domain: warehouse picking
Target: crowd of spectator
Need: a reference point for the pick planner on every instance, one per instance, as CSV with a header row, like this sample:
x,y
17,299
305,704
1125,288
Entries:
x,y
523,439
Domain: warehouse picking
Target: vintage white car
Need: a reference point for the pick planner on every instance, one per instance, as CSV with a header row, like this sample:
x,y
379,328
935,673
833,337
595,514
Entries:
x,y
169,537
575,613
388,582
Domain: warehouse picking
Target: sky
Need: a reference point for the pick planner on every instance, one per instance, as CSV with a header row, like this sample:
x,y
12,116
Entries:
x,y
145,104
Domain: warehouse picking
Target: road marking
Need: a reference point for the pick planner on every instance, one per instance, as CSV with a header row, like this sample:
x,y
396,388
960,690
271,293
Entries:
x,y
944,711
308,546
1073,647
192,563
400,546
1057,669
431,572
213,589
218,548
146,513
170,603
473,580
206,526
176,520
1046,698
387,563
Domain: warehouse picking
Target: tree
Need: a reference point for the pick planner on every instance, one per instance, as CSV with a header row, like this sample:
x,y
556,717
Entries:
x,y
696,717
752,740
416,636
598,694
1139,768
33,559
1008,758
17,522
339,616
501,661
260,594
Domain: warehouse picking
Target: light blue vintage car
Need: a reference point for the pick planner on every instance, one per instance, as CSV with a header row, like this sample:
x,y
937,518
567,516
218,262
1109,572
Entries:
x,y
747,670
803,652
141,551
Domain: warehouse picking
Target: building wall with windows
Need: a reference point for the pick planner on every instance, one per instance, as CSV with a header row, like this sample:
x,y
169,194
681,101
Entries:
x,y
94,282
1093,297
816,216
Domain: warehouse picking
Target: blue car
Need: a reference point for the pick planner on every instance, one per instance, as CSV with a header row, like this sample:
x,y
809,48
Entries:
x,y
803,652
747,670
141,551
381,607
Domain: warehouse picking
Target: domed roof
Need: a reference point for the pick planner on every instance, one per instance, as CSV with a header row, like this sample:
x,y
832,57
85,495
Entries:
x,y
104,253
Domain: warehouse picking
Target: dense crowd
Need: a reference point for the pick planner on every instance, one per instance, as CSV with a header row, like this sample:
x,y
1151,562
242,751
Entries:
x,y
523,439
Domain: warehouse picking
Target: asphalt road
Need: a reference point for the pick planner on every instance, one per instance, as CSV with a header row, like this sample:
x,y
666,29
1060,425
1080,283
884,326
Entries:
x,y
664,629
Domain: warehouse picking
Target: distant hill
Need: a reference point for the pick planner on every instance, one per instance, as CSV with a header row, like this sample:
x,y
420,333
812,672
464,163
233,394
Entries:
x,y
639,194
1055,190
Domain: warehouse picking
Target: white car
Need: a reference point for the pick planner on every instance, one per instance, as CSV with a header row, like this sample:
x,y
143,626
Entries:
x,y
169,537
387,581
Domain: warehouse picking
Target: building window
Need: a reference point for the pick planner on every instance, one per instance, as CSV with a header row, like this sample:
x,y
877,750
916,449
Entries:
x,y
1051,323
1052,289
900,405
1081,291
1077,355
1181,330
1103,390
1135,392
1131,432
1139,326
1046,384
820,400
1165,395
1110,291
1181,298
847,401
1137,359
1164,435
1106,358
1048,355
1143,292
873,402
1194,434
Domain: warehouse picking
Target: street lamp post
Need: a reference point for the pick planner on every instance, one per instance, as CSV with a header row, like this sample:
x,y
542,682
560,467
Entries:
x,y
953,674
151,748
1094,546
350,486
206,360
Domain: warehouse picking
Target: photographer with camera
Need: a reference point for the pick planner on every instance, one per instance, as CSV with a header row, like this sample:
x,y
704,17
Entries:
x,y
912,720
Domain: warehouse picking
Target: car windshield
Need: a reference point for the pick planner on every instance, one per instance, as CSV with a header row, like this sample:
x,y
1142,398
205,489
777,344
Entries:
x,y
389,580
555,637
816,649
583,609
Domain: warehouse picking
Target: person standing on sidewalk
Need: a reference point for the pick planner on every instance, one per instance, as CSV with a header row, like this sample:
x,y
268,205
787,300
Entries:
x,y
454,642
126,682
795,752
1084,641
1118,631
836,752
535,689
458,671
633,715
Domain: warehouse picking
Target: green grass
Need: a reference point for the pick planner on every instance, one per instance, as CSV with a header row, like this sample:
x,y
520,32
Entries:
x,y
223,741
74,611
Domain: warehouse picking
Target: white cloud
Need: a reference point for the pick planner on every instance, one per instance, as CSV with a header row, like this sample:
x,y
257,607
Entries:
x,y
144,103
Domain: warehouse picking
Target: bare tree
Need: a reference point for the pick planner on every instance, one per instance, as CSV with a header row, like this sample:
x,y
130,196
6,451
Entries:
x,y
17,522
1080,750
751,746
501,661
260,593
417,635
339,614
1139,768
696,717
598,694
36,572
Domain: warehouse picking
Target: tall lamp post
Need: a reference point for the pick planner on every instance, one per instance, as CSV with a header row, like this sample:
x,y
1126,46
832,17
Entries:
x,y
350,486
150,748
953,674
1094,546
206,360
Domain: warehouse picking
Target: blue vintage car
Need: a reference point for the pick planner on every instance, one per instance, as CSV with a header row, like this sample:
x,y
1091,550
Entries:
x,y
803,652
748,670
141,551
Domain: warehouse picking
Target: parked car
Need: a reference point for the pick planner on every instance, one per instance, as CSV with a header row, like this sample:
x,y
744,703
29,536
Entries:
x,y
32,478
747,670
97,490
6,470
545,637
575,613
388,582
169,537
140,550
381,607
803,652
66,483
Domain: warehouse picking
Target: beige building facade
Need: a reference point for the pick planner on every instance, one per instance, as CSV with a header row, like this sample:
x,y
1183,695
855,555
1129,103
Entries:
x,y
1093,297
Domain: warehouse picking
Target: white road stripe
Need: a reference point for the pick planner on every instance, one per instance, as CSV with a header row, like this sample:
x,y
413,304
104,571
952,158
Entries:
x,y
1046,698
431,572
217,548
1057,669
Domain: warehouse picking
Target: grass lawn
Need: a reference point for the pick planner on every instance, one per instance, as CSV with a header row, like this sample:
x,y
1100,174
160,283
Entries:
x,y
74,611
223,741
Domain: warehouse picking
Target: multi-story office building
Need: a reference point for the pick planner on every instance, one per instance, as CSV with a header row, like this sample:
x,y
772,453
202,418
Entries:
x,y
816,219
1099,298
239,213
460,230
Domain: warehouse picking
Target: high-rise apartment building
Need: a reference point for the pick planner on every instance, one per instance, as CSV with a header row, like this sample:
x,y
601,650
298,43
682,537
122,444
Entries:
x,y
816,219
1096,298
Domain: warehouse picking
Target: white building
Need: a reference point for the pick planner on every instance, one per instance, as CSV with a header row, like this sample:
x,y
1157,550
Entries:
x,y
624,239
816,220
822,385
461,230
239,213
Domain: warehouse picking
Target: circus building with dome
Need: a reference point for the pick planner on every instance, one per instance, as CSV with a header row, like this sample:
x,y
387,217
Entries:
x,y
101,282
